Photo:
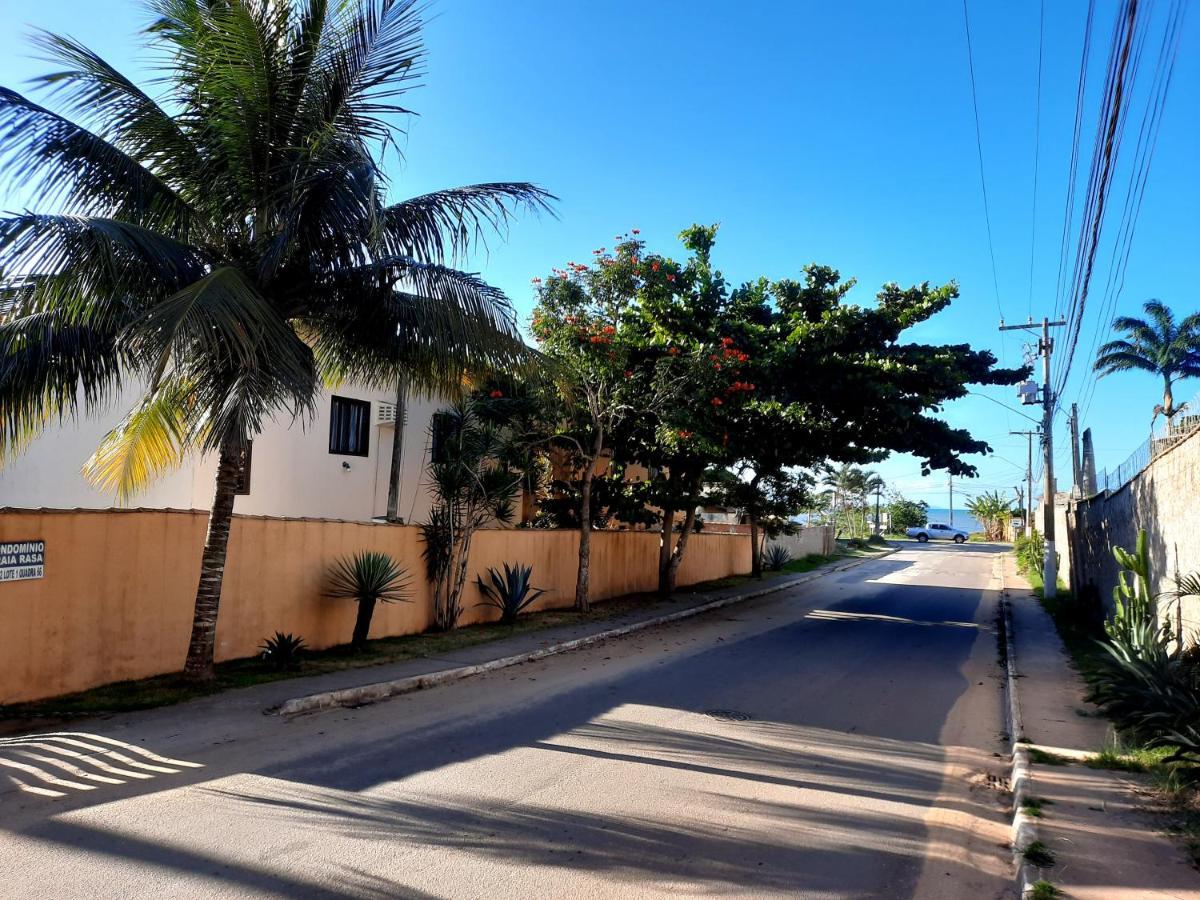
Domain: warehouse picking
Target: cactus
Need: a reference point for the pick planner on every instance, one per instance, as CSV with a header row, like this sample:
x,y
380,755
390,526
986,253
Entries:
x,y
1133,606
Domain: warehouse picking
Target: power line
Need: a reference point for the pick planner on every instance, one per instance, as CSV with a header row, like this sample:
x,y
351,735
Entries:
x,y
1152,118
1037,145
987,216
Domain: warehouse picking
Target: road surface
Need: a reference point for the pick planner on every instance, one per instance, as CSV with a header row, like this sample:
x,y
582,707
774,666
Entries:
x,y
833,740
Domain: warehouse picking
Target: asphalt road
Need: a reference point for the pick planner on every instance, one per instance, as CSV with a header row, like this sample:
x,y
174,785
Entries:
x,y
834,740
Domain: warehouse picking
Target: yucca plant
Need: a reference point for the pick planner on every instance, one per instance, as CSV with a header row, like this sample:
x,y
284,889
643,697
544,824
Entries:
x,y
282,651
367,578
227,247
775,557
510,593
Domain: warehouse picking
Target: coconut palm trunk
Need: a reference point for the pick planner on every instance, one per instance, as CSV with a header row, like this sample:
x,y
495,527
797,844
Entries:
x,y
202,646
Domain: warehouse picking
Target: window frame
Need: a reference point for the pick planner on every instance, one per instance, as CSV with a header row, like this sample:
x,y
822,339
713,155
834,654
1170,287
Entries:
x,y
336,401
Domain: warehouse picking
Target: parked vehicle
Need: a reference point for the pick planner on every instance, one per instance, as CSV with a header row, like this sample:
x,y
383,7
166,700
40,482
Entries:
x,y
935,531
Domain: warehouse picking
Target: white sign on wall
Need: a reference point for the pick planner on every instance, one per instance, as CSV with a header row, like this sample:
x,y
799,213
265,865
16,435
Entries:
x,y
22,560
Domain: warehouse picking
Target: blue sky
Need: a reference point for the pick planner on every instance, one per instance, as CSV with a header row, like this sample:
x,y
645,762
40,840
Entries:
x,y
812,132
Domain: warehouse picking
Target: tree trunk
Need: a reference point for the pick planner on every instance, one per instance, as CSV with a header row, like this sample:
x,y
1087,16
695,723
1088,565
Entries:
x,y
664,549
393,501
582,600
362,624
685,532
202,646
756,567
1168,399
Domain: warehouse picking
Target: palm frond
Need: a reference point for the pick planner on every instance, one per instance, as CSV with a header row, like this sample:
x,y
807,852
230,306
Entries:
x,y
444,225
154,437
48,366
68,165
126,116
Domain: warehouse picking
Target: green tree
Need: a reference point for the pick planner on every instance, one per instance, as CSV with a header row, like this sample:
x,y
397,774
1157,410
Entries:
x,y
1159,345
227,247
811,377
904,514
992,511
598,380
471,486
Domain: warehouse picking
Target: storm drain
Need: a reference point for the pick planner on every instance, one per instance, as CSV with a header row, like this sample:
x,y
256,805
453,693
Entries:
x,y
727,715
998,782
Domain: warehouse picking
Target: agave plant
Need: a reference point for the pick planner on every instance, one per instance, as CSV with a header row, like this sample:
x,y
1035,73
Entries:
x,y
282,651
367,578
510,593
775,557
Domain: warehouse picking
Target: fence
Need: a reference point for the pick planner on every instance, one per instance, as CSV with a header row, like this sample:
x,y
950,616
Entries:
x,y
115,601
1150,449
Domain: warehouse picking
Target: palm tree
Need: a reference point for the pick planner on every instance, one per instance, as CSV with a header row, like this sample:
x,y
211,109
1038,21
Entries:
x,y
1156,344
227,248
873,483
845,483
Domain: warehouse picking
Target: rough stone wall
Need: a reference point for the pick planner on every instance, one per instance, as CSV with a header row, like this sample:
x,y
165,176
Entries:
x,y
1164,499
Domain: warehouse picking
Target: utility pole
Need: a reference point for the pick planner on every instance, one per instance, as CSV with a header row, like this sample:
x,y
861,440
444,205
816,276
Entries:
x,y
1028,492
1076,467
878,494
1045,349
950,481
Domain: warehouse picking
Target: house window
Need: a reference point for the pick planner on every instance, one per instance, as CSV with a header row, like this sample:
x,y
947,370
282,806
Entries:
x,y
441,431
349,426
243,472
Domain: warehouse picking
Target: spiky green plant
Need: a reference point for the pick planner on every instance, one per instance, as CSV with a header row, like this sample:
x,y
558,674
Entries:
x,y
368,577
282,651
775,557
1133,604
510,593
224,249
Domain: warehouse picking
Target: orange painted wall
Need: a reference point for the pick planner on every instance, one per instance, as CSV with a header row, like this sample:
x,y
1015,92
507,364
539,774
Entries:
x,y
116,602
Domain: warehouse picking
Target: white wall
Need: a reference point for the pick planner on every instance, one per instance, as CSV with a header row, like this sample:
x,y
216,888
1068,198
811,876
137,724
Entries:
x,y
292,471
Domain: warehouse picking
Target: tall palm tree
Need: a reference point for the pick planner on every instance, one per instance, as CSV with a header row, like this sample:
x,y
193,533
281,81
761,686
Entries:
x,y
845,483
227,248
1156,344
873,483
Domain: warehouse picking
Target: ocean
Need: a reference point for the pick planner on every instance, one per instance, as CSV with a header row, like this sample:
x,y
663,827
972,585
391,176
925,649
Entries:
x,y
962,519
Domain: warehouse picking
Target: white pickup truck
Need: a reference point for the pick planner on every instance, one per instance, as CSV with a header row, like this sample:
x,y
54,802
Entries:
x,y
935,531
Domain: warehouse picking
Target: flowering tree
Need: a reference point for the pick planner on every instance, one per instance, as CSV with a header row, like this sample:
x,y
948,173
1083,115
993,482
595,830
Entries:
x,y
599,379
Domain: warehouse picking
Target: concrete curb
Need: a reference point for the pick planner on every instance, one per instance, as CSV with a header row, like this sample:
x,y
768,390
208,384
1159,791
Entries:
x,y
1024,827
371,693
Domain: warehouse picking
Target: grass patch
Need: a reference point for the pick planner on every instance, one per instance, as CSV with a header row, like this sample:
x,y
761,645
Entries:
x,y
1039,855
1128,759
1034,807
1047,759
1043,890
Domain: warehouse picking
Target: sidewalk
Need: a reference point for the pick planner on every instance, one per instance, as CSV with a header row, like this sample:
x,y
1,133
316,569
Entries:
x,y
1106,844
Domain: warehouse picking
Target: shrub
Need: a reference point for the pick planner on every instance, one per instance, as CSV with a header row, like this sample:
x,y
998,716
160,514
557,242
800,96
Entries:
x,y
1031,552
877,540
510,593
282,652
367,578
775,557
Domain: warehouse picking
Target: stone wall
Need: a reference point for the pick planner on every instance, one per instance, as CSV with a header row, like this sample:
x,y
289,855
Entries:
x,y
1164,499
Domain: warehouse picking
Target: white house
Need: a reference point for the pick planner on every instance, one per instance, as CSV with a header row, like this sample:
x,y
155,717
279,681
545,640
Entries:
x,y
335,466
